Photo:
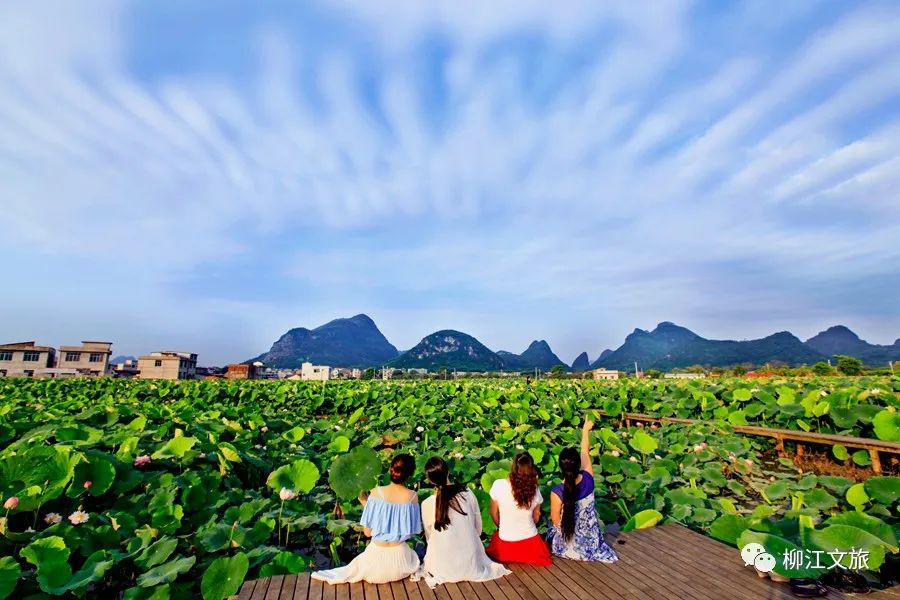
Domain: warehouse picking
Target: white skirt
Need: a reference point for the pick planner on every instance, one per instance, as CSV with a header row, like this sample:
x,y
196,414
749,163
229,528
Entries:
x,y
376,564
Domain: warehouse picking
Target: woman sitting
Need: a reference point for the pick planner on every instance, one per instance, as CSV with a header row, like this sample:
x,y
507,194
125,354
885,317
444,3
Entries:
x,y
452,521
575,532
390,516
516,508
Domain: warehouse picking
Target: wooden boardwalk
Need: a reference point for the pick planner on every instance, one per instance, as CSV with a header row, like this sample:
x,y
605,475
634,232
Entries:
x,y
669,562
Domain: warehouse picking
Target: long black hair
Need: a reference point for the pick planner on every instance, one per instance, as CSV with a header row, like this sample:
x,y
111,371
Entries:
x,y
570,466
402,467
446,495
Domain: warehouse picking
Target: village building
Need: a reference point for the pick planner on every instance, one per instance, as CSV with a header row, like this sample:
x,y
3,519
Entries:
x,y
242,371
604,374
90,359
311,372
168,365
25,359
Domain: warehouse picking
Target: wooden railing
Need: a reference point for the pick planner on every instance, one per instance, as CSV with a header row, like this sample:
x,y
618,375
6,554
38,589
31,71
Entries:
x,y
874,447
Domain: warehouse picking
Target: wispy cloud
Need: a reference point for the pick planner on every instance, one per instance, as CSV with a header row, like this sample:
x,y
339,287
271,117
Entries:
x,y
522,172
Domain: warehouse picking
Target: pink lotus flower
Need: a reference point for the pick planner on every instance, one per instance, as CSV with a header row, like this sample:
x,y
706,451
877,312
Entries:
x,y
264,429
88,484
11,503
654,427
633,459
615,453
52,518
142,460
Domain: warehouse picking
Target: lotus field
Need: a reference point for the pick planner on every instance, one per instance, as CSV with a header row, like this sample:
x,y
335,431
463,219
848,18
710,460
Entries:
x,y
138,489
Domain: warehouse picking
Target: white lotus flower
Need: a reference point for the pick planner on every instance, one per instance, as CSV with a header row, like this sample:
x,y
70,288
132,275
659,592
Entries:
x,y
52,518
420,429
616,453
286,494
79,517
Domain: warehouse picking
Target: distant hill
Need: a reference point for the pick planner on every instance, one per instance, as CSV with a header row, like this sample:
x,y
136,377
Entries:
x,y
581,363
670,346
449,349
603,355
117,360
353,342
538,355
841,340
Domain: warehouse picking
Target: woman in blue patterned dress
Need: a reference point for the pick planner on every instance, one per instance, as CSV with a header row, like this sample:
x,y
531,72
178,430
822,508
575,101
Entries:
x,y
575,531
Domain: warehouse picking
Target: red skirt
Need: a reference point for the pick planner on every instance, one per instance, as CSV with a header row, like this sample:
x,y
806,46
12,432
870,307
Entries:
x,y
531,551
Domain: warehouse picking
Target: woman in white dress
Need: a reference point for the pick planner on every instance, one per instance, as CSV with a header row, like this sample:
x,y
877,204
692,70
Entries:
x,y
452,522
390,516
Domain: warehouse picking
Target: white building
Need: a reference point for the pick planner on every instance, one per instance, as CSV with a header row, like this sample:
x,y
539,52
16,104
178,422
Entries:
x,y
604,374
311,372
684,376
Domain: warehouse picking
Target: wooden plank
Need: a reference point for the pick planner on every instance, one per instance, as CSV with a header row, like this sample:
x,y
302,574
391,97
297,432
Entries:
x,y
385,592
288,586
424,591
782,434
398,590
343,592
274,591
538,582
722,566
521,587
356,591
301,589
621,585
412,589
675,568
246,590
577,589
371,590
329,591
315,589
592,581
259,590
454,591
501,589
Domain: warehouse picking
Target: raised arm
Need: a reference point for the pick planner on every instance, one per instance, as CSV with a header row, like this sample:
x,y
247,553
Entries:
x,y
586,446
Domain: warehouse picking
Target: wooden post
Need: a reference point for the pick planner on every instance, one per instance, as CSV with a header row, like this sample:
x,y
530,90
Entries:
x,y
876,461
779,444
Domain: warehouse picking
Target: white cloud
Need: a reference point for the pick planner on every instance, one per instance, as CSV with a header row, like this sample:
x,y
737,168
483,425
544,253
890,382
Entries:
x,y
617,185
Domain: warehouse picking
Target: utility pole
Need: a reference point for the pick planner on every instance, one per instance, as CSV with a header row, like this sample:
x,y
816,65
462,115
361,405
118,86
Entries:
x,y
891,365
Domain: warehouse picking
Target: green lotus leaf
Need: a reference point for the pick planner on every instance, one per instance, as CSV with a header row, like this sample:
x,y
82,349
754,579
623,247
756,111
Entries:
x,y
339,444
867,523
862,458
846,538
884,489
51,558
9,575
728,528
643,442
177,447
224,576
819,499
300,477
643,520
284,563
166,572
294,435
354,472
857,496
887,425
840,452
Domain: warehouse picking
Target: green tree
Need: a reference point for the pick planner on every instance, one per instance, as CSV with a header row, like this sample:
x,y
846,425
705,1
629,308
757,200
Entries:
x,y
822,368
558,371
369,373
739,370
849,365
653,373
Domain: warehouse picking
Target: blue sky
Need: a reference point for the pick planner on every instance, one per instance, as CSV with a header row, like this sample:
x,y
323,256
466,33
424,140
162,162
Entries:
x,y
204,176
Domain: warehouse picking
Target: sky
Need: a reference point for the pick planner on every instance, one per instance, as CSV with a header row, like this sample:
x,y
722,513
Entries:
x,y
206,175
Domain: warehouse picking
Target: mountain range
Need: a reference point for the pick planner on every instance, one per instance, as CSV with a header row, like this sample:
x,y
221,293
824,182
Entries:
x,y
353,342
357,342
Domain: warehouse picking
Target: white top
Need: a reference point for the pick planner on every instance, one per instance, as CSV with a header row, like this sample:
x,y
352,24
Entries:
x,y
516,523
456,553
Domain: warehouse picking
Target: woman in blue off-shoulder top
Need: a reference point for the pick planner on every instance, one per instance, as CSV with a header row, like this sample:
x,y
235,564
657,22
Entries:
x,y
391,515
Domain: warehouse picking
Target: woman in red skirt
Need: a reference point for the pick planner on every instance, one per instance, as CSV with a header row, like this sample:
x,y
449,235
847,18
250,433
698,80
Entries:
x,y
516,508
